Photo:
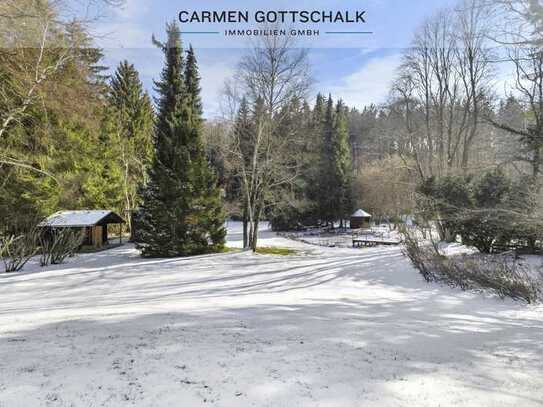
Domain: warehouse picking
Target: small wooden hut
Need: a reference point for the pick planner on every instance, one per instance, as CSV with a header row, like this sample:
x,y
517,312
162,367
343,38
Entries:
x,y
93,222
360,219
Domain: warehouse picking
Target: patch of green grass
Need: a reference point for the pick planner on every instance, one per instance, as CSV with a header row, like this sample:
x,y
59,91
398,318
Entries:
x,y
230,249
279,251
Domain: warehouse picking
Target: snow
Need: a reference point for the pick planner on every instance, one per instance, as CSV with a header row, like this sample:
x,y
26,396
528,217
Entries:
x,y
325,327
360,213
344,238
75,218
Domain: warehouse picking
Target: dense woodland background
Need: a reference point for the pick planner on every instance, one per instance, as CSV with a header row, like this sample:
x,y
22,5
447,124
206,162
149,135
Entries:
x,y
451,140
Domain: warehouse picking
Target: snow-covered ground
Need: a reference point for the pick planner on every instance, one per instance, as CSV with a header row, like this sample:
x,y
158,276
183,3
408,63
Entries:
x,y
326,327
320,237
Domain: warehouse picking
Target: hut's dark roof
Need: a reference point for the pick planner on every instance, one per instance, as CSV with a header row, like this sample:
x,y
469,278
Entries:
x,y
81,218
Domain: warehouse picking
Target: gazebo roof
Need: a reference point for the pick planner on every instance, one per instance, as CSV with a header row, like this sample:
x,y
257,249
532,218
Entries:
x,y
360,214
81,218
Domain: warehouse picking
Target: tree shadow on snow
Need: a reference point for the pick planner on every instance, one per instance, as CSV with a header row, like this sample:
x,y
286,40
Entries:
x,y
284,353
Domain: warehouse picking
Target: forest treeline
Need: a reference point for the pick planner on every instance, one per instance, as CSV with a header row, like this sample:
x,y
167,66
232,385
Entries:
x,y
72,137
450,125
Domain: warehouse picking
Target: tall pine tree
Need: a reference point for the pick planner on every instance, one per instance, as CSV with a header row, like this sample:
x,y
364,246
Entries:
x,y
334,196
182,210
192,83
341,164
133,106
129,125
327,188
243,129
315,152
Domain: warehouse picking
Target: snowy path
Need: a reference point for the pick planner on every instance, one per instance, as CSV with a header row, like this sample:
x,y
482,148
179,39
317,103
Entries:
x,y
327,327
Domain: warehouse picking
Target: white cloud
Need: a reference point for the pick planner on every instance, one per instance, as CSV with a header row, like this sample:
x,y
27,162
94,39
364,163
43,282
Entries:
x,y
213,78
125,27
504,79
133,9
370,84
122,35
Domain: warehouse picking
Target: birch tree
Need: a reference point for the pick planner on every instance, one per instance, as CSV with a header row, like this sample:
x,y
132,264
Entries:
x,y
35,45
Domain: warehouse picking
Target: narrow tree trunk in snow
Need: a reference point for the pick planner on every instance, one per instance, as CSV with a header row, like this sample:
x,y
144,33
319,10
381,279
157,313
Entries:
x,y
245,224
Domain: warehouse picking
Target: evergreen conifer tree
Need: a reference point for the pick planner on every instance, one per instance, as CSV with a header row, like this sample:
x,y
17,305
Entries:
x,y
133,106
243,128
341,164
314,158
334,194
192,83
207,204
129,126
182,210
327,189
319,111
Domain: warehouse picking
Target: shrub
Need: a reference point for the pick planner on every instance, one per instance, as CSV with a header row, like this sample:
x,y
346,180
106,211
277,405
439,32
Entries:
x,y
15,251
443,199
501,274
57,245
418,255
486,223
484,229
489,212
292,216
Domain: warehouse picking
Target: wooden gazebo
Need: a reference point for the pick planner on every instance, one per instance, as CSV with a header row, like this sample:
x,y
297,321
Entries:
x,y
360,219
93,222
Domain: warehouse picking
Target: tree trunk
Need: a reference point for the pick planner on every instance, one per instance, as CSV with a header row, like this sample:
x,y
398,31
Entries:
x,y
536,168
254,241
444,233
245,224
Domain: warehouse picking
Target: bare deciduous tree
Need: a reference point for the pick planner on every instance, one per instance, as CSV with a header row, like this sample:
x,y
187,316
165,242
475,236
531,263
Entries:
x,y
386,188
34,46
528,64
274,71
523,40
441,88
270,75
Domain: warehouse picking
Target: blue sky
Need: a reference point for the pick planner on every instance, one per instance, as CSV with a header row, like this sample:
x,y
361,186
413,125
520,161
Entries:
x,y
356,68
